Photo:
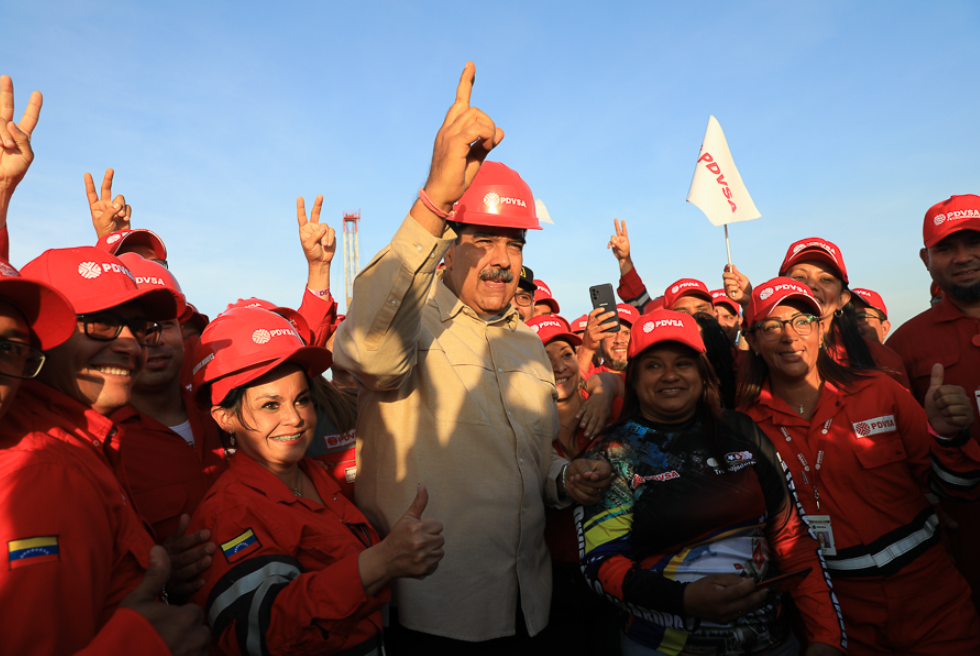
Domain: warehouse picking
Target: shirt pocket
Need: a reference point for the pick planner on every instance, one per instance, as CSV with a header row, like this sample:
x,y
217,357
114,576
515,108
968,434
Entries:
x,y
886,475
531,396
921,370
453,383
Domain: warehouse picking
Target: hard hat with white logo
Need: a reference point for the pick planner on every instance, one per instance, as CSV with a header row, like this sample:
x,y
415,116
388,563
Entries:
x,y
497,197
244,344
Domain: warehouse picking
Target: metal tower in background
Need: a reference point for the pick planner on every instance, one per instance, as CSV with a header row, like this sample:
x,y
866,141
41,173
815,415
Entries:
x,y
351,249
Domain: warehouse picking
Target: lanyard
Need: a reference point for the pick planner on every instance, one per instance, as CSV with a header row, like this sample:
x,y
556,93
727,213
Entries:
x,y
803,460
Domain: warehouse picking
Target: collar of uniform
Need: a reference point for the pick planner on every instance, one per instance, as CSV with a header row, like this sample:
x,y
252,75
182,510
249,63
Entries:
x,y
257,477
449,306
783,414
65,412
947,311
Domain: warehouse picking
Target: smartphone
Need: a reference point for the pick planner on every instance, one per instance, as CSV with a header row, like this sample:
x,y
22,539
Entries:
x,y
786,582
603,297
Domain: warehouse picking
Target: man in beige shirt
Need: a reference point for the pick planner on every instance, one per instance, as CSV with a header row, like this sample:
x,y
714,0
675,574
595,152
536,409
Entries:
x,y
457,393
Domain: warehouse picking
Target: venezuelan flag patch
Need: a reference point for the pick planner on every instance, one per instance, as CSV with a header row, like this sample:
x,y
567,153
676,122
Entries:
x,y
33,551
239,547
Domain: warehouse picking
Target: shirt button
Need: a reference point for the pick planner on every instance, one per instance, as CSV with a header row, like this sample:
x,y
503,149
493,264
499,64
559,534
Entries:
x,y
393,303
499,370
96,443
522,461
418,247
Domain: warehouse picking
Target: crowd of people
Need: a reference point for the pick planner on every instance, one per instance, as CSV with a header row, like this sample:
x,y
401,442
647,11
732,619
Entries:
x,y
752,469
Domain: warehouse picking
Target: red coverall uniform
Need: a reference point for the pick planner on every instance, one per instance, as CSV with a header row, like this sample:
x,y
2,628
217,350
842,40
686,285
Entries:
x,y
74,546
945,335
897,588
168,476
285,579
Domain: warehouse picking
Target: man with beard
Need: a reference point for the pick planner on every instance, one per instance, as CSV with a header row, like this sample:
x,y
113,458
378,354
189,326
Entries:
x,y
947,333
612,346
456,392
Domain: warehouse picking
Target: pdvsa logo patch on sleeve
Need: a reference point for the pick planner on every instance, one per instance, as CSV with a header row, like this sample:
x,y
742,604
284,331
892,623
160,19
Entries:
x,y
869,427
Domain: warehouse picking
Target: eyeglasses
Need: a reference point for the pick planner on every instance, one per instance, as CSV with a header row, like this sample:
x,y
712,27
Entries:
x,y
106,326
523,299
19,360
865,317
772,329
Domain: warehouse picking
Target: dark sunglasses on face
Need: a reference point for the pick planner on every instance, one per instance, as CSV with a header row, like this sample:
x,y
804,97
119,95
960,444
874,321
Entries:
x,y
106,326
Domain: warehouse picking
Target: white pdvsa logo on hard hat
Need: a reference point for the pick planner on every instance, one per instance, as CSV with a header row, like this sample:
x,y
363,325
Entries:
x,y
648,326
261,336
89,270
765,293
673,290
491,199
938,219
535,327
113,239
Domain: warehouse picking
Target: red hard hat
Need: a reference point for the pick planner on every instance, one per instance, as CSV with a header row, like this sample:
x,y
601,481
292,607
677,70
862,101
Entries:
x,y
243,344
497,197
291,315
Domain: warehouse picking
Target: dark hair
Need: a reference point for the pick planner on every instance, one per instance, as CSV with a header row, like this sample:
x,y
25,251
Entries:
x,y
844,331
339,406
719,355
708,407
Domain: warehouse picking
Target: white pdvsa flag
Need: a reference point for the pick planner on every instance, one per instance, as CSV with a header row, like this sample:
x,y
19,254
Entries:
x,y
717,188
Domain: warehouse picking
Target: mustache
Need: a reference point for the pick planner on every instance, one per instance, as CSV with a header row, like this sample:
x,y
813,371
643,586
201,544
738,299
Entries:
x,y
497,275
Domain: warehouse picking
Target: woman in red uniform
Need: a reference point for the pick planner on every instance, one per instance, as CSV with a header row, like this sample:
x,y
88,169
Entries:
x,y
860,451
299,570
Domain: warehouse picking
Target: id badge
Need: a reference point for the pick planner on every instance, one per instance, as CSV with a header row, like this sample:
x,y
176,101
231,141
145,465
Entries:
x,y
820,525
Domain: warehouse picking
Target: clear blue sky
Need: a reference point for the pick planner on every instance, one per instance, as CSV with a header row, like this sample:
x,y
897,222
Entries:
x,y
846,120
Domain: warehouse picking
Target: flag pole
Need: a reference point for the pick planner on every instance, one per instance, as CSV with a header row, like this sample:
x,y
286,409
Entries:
x,y
728,247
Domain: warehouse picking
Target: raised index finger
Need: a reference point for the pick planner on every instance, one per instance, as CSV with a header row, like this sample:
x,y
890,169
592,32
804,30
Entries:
x,y
29,120
301,211
107,185
463,91
6,99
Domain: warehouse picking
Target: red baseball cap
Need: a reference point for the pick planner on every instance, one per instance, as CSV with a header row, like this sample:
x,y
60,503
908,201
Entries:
x,y
93,280
655,304
627,313
580,324
114,241
48,313
151,275
951,215
871,299
243,344
719,297
815,248
767,296
543,295
664,326
291,315
195,318
685,287
551,328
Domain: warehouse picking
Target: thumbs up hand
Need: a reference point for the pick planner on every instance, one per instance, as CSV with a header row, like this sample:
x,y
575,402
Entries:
x,y
181,627
948,407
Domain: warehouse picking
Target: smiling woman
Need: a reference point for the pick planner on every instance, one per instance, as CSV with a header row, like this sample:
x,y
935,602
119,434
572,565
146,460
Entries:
x,y
698,514
299,566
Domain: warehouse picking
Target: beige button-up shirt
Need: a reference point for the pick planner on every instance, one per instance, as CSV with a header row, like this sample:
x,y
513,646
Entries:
x,y
468,408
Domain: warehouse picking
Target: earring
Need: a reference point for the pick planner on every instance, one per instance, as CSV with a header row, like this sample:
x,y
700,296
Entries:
x,y
231,439
838,312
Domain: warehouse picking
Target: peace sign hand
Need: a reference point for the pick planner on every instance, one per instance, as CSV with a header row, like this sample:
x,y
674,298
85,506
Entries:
x,y
16,154
318,239
465,139
108,214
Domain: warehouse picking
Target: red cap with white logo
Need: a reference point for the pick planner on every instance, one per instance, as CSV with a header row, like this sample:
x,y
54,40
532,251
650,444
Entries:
x,y
49,314
951,215
579,325
151,275
551,328
627,313
719,297
816,249
95,280
292,316
685,287
655,304
497,197
664,326
244,344
870,299
767,296
543,295
113,242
